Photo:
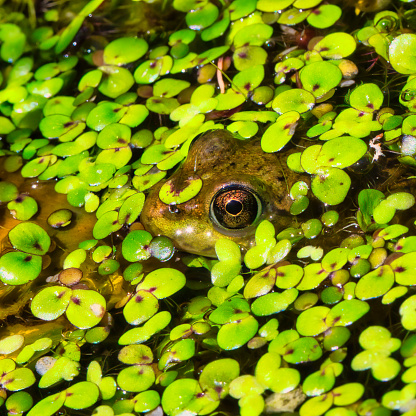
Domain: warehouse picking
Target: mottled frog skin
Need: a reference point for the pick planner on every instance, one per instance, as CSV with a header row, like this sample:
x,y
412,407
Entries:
x,y
241,186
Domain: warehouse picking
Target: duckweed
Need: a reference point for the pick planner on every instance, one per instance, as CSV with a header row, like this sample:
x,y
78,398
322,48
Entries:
x,y
99,105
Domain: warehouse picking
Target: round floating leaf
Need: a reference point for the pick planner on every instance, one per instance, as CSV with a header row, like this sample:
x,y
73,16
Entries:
x,y
312,321
23,207
280,133
245,385
404,269
295,99
30,238
115,81
367,98
408,313
8,191
247,56
331,185
236,334
142,306
60,218
324,16
320,77
402,53
86,308
149,71
51,302
135,246
274,302
341,152
36,166
19,402
104,114
131,208
49,405
114,135
202,16
11,343
302,350
293,16
336,46
136,378
171,194
260,284
106,224
17,268
255,34
319,382
217,375
313,275
375,284
179,395
163,283
124,50
81,395
146,401
18,379
347,312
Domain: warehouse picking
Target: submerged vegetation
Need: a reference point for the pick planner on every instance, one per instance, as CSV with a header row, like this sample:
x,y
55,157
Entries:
x,y
100,101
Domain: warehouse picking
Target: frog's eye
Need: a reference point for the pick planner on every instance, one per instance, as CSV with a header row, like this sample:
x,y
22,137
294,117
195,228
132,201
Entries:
x,y
235,207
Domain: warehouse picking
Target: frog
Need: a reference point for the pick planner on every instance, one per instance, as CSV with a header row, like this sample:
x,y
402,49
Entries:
x,y
241,186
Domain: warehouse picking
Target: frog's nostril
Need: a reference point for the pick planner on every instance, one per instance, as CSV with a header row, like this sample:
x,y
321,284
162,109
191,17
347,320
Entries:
x,y
173,209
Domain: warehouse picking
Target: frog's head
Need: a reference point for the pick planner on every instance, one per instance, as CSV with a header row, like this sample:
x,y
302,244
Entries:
x,y
241,185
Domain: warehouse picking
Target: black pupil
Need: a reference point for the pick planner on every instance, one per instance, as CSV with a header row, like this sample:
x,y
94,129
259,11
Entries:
x,y
235,207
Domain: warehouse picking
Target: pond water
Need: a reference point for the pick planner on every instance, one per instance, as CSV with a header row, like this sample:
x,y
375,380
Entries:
x,y
208,207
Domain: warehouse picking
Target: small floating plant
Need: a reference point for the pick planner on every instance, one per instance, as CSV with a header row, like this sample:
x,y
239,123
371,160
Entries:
x,y
100,103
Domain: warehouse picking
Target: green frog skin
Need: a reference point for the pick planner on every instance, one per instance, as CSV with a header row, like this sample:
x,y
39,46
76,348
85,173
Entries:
x,y
241,186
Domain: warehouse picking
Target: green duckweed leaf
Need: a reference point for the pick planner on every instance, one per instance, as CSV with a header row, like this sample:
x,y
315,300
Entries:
x,y
17,268
274,302
324,16
124,50
403,268
170,194
141,307
347,312
23,208
135,246
217,375
149,71
30,238
320,77
401,53
235,334
326,181
302,350
280,133
367,98
81,395
106,224
51,302
255,34
8,191
202,17
245,57
163,283
336,46
295,99
312,322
